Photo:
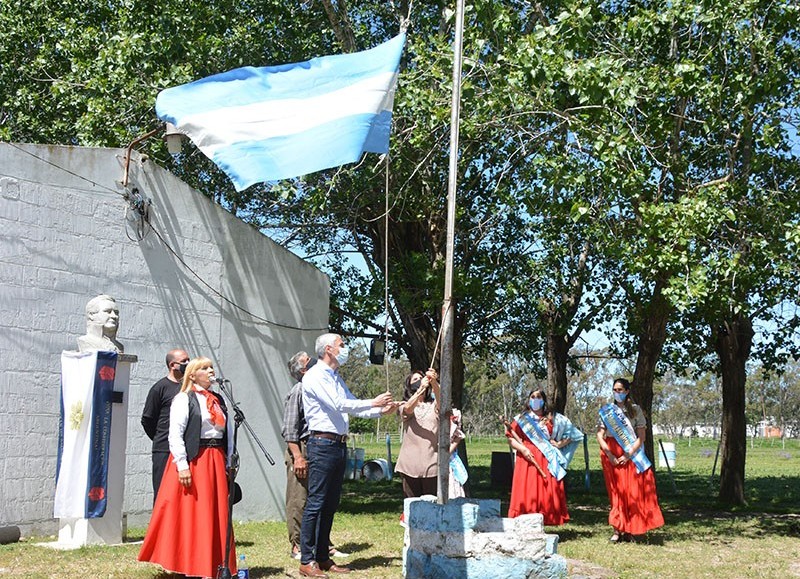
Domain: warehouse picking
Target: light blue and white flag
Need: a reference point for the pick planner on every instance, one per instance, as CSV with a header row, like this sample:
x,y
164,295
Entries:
x,y
87,387
276,122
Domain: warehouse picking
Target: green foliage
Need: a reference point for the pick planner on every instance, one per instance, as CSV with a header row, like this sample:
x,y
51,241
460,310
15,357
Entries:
x,y
367,381
604,146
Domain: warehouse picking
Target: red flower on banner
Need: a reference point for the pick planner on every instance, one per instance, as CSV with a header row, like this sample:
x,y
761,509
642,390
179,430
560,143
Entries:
x,y
106,373
97,493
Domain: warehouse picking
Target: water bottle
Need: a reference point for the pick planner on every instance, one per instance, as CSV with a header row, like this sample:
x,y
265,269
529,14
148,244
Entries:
x,y
244,571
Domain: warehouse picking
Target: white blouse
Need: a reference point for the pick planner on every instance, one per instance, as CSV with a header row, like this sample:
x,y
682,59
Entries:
x,y
179,418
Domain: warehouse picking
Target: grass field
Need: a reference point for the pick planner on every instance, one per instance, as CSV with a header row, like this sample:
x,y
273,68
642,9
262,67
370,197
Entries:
x,y
701,538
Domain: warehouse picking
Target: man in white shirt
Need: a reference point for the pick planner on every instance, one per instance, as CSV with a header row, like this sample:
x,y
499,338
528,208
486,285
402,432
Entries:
x,y
327,402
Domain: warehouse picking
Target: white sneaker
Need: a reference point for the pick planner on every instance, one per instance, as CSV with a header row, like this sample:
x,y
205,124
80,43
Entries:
x,y
337,553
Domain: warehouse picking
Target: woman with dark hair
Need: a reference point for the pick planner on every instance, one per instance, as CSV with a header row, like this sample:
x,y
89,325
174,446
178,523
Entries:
x,y
417,461
628,473
545,442
192,501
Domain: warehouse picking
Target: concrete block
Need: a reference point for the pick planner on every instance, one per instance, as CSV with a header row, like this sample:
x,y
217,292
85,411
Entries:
x,y
530,525
551,547
416,565
488,544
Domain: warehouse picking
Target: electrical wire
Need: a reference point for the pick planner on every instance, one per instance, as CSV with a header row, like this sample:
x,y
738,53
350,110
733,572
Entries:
x,y
220,294
141,233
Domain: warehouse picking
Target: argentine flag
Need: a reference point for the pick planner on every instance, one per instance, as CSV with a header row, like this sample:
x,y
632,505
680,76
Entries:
x,y
84,439
276,122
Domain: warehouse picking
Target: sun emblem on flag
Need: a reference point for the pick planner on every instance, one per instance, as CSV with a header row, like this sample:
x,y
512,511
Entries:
x,y
106,373
97,493
75,416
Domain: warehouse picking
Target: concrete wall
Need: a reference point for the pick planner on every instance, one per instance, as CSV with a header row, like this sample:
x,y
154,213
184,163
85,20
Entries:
x,y
66,234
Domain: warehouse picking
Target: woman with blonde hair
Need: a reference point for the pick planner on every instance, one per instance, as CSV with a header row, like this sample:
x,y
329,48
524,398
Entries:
x,y
193,497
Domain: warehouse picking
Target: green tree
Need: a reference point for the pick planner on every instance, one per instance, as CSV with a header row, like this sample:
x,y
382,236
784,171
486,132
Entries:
x,y
367,381
683,109
723,240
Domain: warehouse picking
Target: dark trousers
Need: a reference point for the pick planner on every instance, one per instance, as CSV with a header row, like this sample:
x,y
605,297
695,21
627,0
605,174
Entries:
x,y
159,464
326,464
416,487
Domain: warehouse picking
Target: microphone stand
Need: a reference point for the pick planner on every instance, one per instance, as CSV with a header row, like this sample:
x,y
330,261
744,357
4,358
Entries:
x,y
224,570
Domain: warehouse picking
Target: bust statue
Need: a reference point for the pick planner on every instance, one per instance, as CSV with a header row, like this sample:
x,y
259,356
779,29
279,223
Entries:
x,y
102,322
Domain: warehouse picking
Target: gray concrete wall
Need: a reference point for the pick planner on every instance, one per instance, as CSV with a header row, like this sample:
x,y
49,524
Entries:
x,y
66,234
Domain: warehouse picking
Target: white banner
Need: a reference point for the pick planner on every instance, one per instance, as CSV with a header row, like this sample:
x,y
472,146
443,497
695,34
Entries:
x,y
84,432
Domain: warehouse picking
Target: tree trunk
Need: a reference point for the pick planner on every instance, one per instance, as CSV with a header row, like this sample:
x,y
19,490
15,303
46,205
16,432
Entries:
x,y
651,342
557,352
557,319
733,343
422,341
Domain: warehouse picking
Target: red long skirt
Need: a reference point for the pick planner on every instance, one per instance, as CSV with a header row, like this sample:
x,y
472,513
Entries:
x,y
634,503
187,530
532,493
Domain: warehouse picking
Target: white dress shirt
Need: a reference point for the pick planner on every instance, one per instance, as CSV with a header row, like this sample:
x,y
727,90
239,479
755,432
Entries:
x,y
179,418
327,401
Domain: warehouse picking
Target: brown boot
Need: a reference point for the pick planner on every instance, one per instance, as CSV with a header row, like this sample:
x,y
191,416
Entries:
x,y
311,570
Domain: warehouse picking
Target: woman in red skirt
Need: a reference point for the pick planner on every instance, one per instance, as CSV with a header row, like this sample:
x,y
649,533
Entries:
x,y
628,473
538,482
192,500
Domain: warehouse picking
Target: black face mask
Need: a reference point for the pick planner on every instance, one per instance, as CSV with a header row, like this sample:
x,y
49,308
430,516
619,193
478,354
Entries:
x,y
182,367
415,384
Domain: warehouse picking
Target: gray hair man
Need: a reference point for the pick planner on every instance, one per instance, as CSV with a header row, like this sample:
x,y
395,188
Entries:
x,y
327,402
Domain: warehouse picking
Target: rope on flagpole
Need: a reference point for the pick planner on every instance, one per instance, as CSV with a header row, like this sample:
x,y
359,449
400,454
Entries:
x,y
386,274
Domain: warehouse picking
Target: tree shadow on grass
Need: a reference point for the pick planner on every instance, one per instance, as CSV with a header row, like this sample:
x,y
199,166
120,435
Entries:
x,y
371,497
364,564
353,547
691,508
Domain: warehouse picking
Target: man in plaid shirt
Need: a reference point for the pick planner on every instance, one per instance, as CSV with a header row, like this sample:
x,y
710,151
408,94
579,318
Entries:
x,y
295,433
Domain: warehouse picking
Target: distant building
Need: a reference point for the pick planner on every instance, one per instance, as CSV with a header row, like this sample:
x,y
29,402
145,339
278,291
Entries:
x,y
698,430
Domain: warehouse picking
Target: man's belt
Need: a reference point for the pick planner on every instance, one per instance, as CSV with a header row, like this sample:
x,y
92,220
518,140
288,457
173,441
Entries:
x,y
330,436
211,443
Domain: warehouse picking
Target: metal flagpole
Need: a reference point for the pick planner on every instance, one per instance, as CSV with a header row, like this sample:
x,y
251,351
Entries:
x,y
448,313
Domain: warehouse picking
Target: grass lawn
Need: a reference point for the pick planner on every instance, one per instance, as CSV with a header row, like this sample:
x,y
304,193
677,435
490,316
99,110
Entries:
x,y
701,538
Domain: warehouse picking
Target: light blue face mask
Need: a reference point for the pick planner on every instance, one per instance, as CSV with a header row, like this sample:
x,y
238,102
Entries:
x,y
343,355
620,396
536,403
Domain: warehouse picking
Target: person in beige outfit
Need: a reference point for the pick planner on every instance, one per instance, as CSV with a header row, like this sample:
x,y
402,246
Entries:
x,y
417,462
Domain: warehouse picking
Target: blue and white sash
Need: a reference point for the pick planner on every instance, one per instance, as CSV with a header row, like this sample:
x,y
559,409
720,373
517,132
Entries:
x,y
622,430
457,469
563,428
556,462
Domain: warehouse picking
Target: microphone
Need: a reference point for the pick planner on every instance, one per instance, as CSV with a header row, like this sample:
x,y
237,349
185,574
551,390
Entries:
x,y
221,381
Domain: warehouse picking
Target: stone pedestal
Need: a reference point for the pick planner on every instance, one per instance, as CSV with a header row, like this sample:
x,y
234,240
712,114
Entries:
x,y
468,539
108,529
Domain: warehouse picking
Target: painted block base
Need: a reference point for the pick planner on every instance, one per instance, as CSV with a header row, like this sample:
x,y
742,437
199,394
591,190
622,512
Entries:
x,y
467,539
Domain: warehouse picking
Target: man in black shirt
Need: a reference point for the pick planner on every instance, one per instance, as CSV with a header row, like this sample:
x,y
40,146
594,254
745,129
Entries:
x,y
155,416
